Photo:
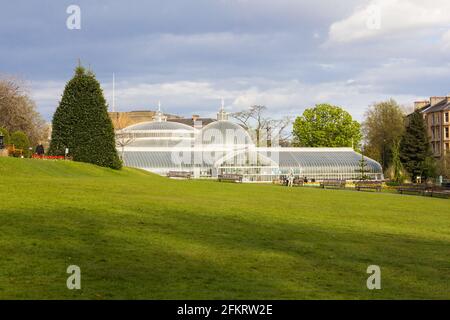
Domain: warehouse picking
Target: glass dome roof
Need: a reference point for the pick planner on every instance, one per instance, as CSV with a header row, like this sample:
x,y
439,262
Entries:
x,y
225,132
158,125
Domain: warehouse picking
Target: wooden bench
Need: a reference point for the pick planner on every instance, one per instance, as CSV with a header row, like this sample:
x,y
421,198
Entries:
x,y
229,177
179,174
333,183
440,191
298,182
413,188
368,185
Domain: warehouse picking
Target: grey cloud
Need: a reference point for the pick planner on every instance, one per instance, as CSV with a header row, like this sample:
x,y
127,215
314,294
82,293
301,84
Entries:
x,y
190,53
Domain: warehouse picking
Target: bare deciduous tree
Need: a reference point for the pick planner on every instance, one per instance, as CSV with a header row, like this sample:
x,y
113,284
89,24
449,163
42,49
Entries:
x,y
121,120
265,128
280,128
123,137
18,111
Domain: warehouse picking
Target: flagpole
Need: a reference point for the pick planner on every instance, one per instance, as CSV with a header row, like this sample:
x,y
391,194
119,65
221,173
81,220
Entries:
x,y
114,94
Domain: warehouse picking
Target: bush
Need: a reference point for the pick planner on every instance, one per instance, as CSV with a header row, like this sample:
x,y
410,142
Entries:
x,y
20,141
6,136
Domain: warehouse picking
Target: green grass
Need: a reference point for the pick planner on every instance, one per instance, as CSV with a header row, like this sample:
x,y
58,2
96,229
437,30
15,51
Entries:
x,y
137,235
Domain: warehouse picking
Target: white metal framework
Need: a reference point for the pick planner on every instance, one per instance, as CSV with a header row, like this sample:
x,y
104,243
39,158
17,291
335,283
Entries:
x,y
225,147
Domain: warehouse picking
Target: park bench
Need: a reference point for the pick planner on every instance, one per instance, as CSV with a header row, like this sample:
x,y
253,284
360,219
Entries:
x,y
229,177
440,191
298,182
368,185
179,174
413,188
333,183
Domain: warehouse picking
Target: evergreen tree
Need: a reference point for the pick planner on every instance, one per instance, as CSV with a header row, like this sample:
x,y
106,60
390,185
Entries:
x,y
81,123
363,168
397,166
415,153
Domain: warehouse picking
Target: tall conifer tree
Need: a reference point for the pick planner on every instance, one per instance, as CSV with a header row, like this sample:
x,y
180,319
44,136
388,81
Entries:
x,y
415,152
81,123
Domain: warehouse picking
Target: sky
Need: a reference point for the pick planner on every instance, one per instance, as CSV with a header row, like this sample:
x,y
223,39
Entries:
x,y
287,54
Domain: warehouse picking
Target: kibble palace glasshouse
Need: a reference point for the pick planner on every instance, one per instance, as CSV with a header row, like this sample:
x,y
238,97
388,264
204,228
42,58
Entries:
x,y
223,147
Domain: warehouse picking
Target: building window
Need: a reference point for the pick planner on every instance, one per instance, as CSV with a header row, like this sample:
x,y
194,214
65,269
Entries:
x,y
446,133
446,146
446,117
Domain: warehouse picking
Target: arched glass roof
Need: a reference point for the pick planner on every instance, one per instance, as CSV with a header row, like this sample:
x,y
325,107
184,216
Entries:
x,y
224,145
245,158
170,159
314,163
160,143
158,125
328,160
224,132
322,163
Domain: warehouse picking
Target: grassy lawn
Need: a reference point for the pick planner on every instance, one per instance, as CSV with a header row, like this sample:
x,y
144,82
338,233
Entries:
x,y
137,235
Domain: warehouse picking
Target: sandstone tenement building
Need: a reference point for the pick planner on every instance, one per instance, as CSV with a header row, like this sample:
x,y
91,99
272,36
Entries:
x,y
436,113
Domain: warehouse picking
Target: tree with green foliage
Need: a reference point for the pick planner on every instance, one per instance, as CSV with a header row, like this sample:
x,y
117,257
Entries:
x,y
20,141
397,166
81,123
326,125
443,166
382,127
6,137
415,152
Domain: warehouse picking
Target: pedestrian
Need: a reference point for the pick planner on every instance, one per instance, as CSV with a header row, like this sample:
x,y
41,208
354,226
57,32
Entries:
x,y
40,150
291,179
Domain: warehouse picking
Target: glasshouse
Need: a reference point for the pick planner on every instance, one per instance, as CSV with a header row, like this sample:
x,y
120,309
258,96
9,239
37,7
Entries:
x,y
224,147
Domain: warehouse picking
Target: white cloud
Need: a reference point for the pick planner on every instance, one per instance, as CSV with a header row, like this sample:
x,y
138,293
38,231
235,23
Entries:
x,y
288,97
446,41
395,17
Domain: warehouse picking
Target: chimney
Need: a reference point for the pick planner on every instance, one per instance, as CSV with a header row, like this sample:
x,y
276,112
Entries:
x,y
436,100
420,104
195,117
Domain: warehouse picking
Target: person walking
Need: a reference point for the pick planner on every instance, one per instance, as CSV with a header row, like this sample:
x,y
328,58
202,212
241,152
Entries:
x,y
291,179
40,150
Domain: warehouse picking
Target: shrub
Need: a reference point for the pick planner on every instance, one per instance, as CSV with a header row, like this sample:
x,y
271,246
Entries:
x,y
20,141
6,136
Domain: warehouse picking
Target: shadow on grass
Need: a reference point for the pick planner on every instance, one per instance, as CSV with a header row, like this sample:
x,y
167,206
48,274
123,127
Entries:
x,y
179,254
